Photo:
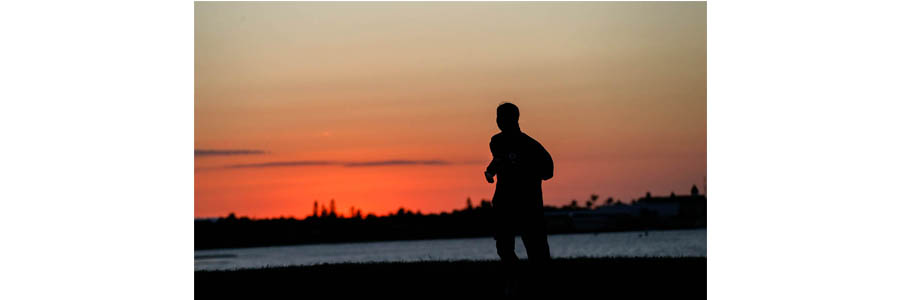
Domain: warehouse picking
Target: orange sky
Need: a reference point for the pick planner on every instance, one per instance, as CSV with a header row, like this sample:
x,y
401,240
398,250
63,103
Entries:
x,y
616,92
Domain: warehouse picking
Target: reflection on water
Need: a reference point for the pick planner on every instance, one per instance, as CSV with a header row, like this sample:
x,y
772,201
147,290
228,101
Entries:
x,y
652,243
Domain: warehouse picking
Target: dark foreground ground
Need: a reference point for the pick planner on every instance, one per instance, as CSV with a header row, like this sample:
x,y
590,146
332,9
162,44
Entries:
x,y
597,278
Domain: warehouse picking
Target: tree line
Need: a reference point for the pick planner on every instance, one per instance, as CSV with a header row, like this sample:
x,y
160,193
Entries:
x,y
325,225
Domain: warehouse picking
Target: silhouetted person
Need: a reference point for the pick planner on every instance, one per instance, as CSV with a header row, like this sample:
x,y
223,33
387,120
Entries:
x,y
520,164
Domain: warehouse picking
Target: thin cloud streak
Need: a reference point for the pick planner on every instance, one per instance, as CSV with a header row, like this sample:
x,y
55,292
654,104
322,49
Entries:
x,y
306,163
221,152
285,164
395,163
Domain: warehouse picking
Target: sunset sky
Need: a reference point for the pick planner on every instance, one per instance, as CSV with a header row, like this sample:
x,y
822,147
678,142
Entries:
x,y
387,105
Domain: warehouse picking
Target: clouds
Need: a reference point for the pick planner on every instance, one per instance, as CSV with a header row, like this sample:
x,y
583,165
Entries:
x,y
395,163
303,163
299,163
309,163
221,152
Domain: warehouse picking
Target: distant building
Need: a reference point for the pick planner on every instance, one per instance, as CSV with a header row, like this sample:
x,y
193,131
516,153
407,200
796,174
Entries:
x,y
667,211
686,206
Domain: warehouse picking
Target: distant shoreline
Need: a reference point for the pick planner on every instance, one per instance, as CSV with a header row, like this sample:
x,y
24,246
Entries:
x,y
631,277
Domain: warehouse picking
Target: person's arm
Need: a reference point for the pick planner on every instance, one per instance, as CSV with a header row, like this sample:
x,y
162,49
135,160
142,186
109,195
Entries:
x,y
493,167
545,166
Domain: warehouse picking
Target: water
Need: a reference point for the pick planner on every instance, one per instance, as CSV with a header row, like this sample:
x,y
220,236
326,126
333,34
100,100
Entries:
x,y
655,243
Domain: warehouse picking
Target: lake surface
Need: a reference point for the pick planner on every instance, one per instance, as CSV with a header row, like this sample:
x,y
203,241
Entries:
x,y
653,243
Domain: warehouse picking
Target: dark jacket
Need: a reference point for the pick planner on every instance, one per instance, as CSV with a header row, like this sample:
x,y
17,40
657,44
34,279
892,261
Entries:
x,y
521,163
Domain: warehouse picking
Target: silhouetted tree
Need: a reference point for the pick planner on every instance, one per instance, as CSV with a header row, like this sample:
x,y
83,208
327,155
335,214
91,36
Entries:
x,y
332,209
315,209
694,191
469,203
233,231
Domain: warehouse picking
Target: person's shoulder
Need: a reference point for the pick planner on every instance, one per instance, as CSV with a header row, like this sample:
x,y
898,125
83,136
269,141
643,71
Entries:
x,y
529,138
495,141
497,137
532,142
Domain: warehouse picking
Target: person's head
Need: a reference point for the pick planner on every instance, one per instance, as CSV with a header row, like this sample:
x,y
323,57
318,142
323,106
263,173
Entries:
x,y
508,117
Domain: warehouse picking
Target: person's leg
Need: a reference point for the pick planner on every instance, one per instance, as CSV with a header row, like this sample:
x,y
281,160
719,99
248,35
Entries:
x,y
504,235
536,246
506,244
506,248
536,271
535,237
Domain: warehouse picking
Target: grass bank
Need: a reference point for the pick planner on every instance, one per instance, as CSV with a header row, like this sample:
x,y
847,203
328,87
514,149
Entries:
x,y
619,277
